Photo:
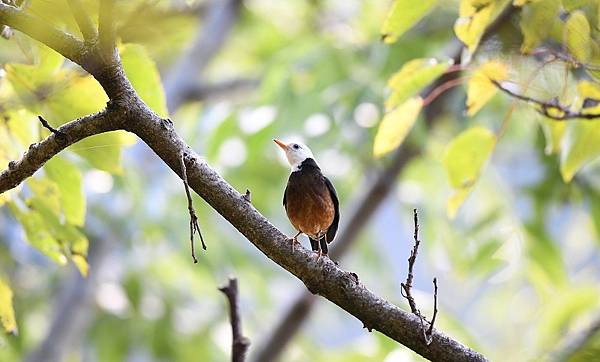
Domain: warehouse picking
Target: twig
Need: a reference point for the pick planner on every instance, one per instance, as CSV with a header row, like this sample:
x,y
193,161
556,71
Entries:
x,y
442,88
322,278
240,344
48,126
194,227
545,107
248,196
435,311
406,287
84,22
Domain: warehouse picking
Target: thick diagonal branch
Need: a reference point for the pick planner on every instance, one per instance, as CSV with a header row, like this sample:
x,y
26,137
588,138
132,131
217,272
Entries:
x,y
321,277
239,344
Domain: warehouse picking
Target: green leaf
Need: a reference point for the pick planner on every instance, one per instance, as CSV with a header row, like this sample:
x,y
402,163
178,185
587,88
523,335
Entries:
x,y
395,126
68,179
412,78
577,36
37,233
537,20
464,159
79,96
581,144
23,125
553,133
402,16
7,313
103,151
480,89
144,76
47,192
474,18
84,96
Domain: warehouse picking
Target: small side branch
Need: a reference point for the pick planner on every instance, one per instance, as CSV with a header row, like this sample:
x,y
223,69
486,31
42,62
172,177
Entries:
x,y
84,22
61,138
47,126
550,109
407,286
240,344
194,227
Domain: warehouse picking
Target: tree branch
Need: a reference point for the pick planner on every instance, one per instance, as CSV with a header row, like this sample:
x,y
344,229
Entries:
x,y
84,22
213,91
289,324
577,343
209,39
67,45
550,109
66,135
321,277
106,27
239,344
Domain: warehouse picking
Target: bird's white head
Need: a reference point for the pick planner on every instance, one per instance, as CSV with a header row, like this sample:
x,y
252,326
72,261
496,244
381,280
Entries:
x,y
295,152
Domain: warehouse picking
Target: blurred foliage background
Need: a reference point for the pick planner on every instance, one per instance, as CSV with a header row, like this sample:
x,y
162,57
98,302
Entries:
x,y
518,263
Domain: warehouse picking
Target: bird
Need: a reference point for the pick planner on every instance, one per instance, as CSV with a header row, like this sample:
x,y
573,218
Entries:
x,y
310,200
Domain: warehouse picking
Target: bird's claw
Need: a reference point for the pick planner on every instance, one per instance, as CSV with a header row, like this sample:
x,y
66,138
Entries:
x,y
293,241
319,254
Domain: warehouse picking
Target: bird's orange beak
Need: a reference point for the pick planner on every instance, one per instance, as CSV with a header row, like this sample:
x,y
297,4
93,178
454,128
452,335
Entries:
x,y
281,144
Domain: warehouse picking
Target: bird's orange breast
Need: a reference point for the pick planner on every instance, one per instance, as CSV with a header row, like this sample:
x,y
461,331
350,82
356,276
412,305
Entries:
x,y
309,205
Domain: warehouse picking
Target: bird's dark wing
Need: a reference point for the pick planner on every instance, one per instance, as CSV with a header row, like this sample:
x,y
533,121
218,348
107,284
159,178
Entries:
x,y
336,204
284,197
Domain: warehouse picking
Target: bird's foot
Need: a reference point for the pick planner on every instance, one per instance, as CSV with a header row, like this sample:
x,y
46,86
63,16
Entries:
x,y
293,241
319,254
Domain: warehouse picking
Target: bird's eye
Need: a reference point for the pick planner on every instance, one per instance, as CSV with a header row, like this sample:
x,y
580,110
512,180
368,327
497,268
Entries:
x,y
296,146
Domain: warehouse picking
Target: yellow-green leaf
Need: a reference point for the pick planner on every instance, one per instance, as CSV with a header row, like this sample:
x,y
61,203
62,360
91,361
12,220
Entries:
x,y
7,313
37,233
47,193
537,21
81,264
480,89
402,16
464,160
581,144
553,133
68,179
589,97
412,78
395,126
23,125
456,200
577,36
144,76
474,17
